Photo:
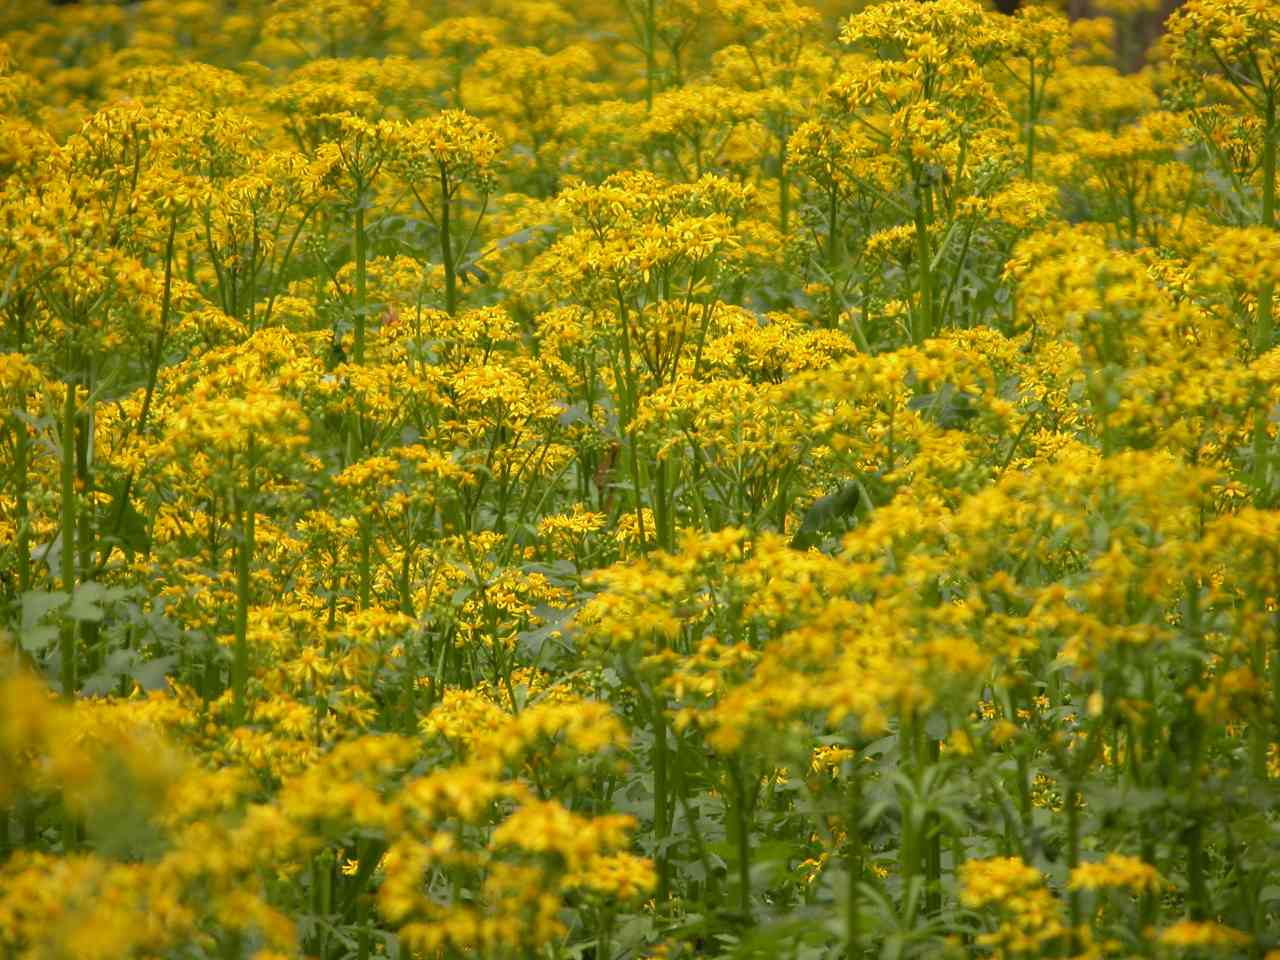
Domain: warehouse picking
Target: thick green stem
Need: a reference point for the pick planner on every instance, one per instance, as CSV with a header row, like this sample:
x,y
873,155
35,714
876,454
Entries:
x,y
933,846
742,836
853,860
446,243
1262,333
68,631
627,412
695,831
909,850
1072,803
1261,460
1031,124
21,482
362,293
663,506
784,188
22,509
923,325
604,935
1197,890
366,563
166,308
650,52
1197,896
246,508
85,512
1142,777
661,813
1274,659
1263,328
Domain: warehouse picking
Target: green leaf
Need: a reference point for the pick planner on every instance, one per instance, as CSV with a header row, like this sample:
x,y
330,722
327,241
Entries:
x,y
824,513
89,598
35,640
131,529
37,604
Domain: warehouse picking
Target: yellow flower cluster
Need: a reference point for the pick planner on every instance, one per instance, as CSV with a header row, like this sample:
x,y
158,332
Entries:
x,y
638,478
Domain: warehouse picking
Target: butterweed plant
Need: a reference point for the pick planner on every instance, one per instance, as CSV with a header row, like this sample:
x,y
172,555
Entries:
x,y
637,479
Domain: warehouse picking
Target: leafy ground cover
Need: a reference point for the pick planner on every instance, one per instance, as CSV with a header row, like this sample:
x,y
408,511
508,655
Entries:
x,y
638,478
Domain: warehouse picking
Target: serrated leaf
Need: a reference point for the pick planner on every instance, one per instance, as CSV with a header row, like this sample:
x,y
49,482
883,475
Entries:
x,y
823,514
87,599
37,639
37,604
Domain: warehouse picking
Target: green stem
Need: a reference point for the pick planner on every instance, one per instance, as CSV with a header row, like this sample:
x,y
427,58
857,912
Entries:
x,y
604,935
924,319
742,836
1196,890
68,630
1263,329
1031,123
933,845
663,507
22,509
784,188
85,511
854,854
446,243
650,53
909,850
365,563
166,307
362,258
1072,802
364,937
695,831
661,814
246,509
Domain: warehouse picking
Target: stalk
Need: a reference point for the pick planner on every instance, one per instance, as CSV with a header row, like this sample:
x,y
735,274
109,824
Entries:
x,y
1275,667
650,53
366,564
21,461
364,938
661,813
1196,892
1031,123
663,507
1073,861
923,328
604,935
933,846
1263,329
246,508
1259,733
695,832
909,851
362,257
628,415
67,639
22,509
446,245
1149,899
85,514
166,306
742,836
853,865
784,188
833,213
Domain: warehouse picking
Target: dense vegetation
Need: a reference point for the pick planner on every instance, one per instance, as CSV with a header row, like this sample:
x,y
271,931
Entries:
x,y
638,478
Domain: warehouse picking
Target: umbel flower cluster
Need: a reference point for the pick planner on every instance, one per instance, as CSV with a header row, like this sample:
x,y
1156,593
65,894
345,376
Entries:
x,y
638,478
